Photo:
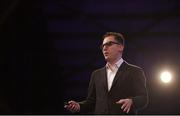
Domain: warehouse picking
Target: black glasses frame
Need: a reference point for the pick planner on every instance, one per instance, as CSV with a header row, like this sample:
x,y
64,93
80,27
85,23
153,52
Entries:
x,y
110,43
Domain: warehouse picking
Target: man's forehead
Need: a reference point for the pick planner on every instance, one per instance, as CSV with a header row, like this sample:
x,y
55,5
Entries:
x,y
108,38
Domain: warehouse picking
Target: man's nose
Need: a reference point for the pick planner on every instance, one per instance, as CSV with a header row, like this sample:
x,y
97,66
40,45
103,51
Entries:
x,y
105,48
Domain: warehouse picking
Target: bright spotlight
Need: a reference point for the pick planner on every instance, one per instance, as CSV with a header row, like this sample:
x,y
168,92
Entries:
x,y
166,77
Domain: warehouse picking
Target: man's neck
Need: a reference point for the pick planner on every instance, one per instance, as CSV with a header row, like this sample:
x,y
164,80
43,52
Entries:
x,y
112,63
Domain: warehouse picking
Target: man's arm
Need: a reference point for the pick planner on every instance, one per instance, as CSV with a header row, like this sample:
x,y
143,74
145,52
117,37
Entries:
x,y
140,98
86,105
89,104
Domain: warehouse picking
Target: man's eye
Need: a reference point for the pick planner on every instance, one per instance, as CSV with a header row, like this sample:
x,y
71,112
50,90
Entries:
x,y
110,43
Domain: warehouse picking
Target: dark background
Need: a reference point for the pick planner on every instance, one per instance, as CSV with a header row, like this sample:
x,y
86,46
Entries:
x,y
50,47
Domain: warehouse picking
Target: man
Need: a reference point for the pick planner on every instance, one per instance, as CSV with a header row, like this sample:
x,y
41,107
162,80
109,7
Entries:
x,y
117,88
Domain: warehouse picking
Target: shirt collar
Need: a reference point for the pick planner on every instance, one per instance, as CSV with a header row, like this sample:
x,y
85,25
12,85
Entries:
x,y
117,64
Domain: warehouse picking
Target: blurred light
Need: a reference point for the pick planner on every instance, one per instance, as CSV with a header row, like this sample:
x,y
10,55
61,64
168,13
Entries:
x,y
166,77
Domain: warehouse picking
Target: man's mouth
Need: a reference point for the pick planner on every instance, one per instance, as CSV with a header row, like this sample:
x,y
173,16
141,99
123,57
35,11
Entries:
x,y
106,53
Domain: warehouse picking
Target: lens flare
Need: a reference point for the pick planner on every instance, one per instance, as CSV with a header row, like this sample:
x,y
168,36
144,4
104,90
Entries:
x,y
166,77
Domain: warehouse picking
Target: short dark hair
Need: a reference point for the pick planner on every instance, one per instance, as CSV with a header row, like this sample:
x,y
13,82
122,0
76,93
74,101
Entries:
x,y
118,37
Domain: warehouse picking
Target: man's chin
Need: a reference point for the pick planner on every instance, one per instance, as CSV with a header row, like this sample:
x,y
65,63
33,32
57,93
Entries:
x,y
107,59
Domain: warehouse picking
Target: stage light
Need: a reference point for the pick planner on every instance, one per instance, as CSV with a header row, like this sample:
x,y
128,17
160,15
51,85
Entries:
x,y
166,77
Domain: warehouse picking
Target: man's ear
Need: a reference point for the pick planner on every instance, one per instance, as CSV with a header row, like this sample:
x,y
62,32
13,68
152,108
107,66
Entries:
x,y
121,48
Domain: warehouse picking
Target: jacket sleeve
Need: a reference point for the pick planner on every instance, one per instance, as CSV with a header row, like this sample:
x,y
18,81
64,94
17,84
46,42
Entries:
x,y
140,98
88,105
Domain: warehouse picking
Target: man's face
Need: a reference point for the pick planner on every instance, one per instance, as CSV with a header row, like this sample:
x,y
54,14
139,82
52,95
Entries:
x,y
111,49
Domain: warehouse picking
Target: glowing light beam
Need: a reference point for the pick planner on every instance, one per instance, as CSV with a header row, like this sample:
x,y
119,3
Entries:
x,y
166,77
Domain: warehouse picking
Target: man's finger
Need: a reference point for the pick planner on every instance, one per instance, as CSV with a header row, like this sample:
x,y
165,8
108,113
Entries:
x,y
70,107
123,105
126,108
65,106
70,102
120,101
75,107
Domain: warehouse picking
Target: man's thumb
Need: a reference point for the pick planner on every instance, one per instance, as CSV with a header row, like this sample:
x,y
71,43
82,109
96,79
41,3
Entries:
x,y
120,101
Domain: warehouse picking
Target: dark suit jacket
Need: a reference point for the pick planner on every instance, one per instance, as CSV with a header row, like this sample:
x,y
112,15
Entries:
x,y
129,82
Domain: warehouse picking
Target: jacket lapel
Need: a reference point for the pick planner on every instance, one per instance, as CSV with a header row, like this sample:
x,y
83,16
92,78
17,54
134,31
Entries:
x,y
104,78
119,74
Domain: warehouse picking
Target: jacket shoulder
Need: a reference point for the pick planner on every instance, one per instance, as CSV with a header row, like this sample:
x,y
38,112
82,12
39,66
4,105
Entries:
x,y
133,67
99,70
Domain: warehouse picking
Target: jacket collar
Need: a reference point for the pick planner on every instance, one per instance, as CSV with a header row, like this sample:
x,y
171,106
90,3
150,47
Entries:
x,y
119,75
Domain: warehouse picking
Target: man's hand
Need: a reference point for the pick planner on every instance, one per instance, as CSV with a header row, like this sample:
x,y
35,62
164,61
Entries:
x,y
72,106
126,104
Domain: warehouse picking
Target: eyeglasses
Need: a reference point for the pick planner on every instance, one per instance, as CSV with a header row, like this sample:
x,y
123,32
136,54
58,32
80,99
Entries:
x,y
110,43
